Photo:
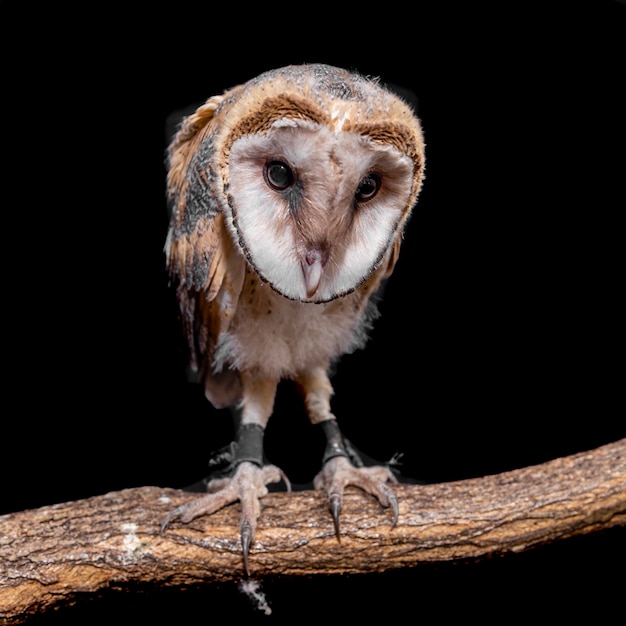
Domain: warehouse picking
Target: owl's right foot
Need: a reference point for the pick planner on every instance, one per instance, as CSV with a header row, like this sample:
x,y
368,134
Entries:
x,y
342,466
248,484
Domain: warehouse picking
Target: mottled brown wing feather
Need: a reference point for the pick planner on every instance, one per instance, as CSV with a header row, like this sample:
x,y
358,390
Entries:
x,y
187,141
202,260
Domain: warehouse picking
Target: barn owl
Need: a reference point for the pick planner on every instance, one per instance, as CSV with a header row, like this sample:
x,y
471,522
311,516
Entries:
x,y
289,196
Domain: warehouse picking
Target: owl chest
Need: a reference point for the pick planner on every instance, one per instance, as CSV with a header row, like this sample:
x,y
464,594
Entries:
x,y
282,336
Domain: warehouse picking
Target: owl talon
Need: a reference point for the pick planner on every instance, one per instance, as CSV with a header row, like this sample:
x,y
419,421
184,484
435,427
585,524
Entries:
x,y
169,517
393,502
247,539
335,509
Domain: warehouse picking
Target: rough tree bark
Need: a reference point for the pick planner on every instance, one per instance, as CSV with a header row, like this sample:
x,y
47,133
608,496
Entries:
x,y
49,555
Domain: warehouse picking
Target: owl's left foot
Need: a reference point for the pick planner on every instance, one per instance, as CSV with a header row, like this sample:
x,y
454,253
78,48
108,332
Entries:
x,y
343,467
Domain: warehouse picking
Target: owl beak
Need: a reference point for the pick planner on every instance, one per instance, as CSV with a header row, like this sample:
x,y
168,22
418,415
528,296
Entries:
x,y
312,267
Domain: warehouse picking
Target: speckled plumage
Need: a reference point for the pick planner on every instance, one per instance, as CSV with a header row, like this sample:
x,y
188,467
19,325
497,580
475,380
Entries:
x,y
289,197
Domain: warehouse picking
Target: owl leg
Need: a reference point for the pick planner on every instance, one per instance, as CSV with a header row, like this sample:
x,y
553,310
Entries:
x,y
342,465
249,473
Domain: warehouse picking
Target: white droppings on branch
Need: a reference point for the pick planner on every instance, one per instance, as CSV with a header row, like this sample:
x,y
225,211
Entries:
x,y
131,542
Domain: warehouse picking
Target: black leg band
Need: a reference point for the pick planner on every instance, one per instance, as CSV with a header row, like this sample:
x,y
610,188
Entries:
x,y
336,444
249,444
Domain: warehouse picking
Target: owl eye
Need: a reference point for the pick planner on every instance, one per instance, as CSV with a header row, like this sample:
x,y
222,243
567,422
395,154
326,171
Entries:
x,y
368,187
278,175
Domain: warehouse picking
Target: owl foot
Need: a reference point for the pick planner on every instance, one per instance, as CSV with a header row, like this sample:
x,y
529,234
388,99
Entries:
x,y
248,485
338,472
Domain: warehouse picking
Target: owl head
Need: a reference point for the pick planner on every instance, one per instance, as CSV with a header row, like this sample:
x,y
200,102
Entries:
x,y
315,170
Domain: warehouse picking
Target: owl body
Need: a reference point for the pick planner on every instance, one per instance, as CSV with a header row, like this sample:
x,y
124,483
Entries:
x,y
264,183
289,195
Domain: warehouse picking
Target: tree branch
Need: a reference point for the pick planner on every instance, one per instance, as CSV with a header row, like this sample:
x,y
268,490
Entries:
x,y
49,555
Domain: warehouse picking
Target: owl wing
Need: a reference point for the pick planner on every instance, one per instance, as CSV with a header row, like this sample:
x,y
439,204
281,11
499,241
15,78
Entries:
x,y
200,256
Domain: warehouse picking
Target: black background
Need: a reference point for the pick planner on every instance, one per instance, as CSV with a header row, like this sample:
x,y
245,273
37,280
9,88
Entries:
x,y
501,338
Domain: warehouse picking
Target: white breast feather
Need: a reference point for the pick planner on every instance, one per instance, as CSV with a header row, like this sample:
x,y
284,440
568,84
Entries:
x,y
292,337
